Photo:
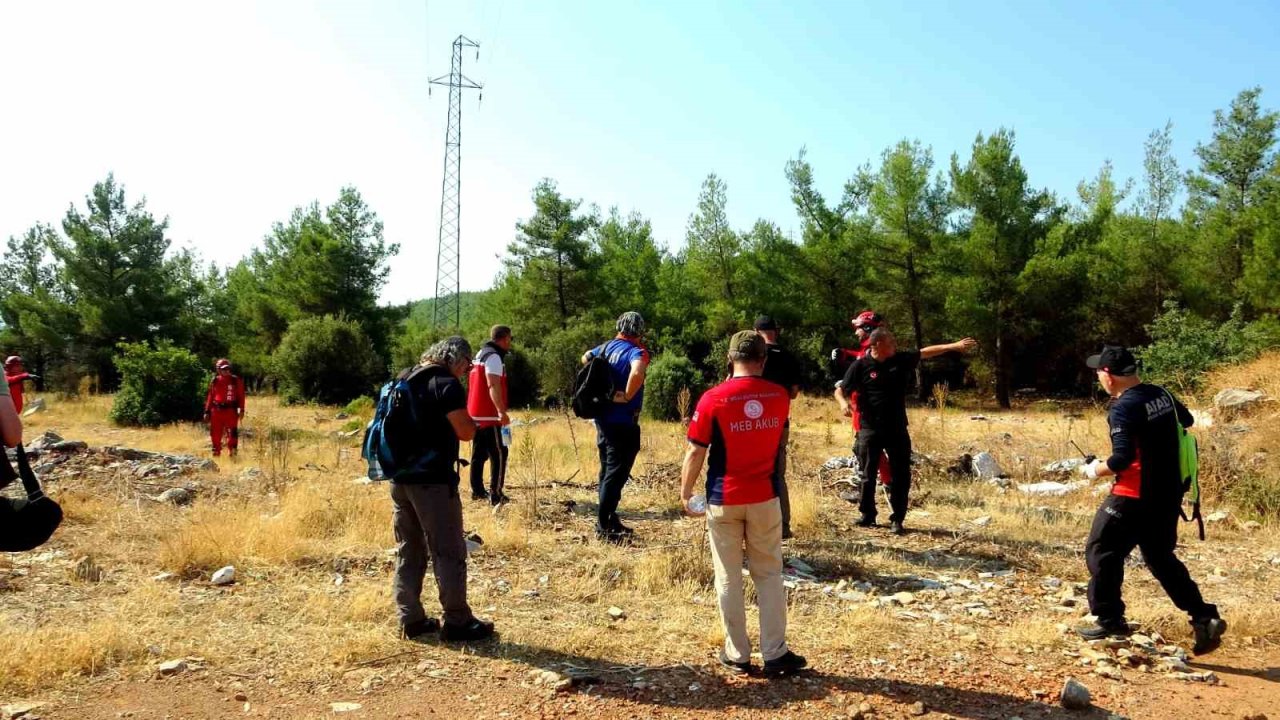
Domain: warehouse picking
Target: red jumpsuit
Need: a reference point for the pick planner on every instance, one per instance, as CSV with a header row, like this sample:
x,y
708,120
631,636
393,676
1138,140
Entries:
x,y
224,403
15,388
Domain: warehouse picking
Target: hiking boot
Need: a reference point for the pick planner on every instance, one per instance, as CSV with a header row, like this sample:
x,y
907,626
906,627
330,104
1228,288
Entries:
x,y
498,499
781,667
867,521
737,668
470,632
613,537
1208,632
1103,629
425,626
895,527
787,534
482,495
618,527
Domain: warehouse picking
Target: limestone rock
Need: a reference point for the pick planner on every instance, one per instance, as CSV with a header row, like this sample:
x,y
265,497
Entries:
x,y
1075,696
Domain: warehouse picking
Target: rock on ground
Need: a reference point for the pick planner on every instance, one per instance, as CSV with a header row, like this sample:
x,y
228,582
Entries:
x,y
1075,696
1235,400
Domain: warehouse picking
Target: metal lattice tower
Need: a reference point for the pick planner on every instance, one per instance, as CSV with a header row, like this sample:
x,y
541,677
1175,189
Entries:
x,y
448,305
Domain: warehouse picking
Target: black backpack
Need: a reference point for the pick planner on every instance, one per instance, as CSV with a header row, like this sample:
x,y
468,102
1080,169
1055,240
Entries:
x,y
25,524
593,389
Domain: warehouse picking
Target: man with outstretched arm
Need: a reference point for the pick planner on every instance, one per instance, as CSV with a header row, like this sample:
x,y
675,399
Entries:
x,y
15,374
881,379
1145,502
738,424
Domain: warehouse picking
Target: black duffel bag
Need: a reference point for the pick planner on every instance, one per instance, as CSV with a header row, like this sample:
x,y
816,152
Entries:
x,y
25,524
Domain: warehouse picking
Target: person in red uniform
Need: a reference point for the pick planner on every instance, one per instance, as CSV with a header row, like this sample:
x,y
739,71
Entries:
x,y
736,431
865,323
15,374
224,407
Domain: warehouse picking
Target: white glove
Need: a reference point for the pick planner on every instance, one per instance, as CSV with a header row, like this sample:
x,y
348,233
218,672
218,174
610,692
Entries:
x,y
1090,469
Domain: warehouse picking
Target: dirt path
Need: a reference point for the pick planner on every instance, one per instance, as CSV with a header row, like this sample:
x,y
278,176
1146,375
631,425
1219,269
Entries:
x,y
494,688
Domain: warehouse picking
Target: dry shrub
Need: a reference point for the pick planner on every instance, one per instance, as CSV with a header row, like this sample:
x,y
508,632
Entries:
x,y
683,569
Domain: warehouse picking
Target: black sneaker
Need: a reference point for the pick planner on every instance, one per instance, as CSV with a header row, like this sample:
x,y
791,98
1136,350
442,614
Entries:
x,y
895,527
470,632
787,534
737,668
867,521
1208,632
498,499
482,495
781,667
615,524
425,626
1103,629
613,537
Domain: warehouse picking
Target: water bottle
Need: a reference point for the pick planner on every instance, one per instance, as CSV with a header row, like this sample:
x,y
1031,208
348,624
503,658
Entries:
x,y
506,436
698,504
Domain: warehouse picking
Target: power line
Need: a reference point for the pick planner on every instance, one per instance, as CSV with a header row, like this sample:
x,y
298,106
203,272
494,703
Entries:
x,y
448,303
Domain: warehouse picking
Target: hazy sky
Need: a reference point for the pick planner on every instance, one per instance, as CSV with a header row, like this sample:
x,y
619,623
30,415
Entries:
x,y
228,115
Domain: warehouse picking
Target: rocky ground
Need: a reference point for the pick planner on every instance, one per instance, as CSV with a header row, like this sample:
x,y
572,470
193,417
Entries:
x,y
967,616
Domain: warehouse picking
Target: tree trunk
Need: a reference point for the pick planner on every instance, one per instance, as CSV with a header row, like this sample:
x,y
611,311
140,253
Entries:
x,y
1002,361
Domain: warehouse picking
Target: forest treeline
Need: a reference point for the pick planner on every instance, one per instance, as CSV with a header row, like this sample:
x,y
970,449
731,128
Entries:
x,y
1184,262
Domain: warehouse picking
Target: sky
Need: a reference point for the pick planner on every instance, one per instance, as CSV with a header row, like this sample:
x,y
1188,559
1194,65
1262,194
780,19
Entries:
x,y
227,116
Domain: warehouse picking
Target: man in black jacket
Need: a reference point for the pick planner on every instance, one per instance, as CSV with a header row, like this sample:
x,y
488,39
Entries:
x,y
427,514
1144,505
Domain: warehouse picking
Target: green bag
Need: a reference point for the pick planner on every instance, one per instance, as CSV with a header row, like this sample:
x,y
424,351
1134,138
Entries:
x,y
1188,468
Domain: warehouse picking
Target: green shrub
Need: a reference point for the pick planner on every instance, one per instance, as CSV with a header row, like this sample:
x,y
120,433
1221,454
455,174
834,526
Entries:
x,y
668,375
1256,496
160,384
522,380
327,360
360,407
559,354
1184,345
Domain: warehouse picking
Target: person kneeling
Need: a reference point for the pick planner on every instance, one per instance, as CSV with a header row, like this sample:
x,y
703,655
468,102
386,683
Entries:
x,y
739,423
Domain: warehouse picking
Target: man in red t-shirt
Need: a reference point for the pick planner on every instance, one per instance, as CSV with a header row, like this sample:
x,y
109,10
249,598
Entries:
x,y
224,407
738,426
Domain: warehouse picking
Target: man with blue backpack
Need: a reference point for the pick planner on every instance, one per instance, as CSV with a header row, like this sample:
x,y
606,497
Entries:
x,y
413,442
1147,428
618,423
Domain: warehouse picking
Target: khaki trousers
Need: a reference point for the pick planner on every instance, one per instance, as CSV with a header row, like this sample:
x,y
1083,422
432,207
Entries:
x,y
758,527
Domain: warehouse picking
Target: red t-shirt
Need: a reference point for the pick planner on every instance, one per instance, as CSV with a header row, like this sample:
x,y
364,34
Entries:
x,y
740,421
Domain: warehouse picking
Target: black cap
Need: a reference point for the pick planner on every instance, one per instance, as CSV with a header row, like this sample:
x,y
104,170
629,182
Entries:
x,y
1115,360
765,322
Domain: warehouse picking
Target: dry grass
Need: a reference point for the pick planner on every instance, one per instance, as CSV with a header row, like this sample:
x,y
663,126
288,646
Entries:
x,y
300,524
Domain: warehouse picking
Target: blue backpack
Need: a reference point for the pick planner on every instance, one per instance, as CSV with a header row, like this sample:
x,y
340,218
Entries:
x,y
393,439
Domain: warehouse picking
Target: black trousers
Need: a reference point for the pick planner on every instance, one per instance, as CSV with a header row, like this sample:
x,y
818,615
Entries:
x,y
487,446
1121,525
897,446
618,444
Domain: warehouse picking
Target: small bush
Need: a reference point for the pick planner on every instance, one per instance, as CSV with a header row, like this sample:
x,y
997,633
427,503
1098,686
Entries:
x,y
360,407
559,355
327,360
1184,346
160,384
1256,495
667,376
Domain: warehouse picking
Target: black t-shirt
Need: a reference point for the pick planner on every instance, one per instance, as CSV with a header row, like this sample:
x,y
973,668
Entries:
x,y
1144,443
436,393
781,367
882,388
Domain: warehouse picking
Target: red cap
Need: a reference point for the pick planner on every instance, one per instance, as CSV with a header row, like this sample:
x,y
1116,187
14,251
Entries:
x,y
867,318
222,363
12,360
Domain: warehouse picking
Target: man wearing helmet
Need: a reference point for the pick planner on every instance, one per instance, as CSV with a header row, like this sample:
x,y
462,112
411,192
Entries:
x,y
618,430
15,375
224,406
